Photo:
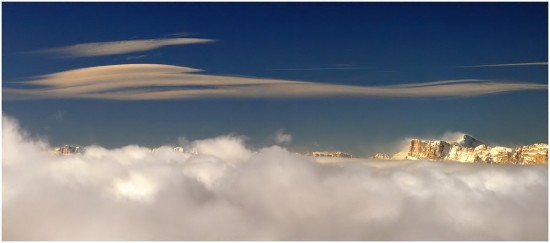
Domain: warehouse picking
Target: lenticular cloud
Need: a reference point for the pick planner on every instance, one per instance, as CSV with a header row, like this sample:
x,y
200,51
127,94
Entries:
x,y
228,192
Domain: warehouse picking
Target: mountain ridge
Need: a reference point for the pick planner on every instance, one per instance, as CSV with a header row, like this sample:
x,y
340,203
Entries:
x,y
470,150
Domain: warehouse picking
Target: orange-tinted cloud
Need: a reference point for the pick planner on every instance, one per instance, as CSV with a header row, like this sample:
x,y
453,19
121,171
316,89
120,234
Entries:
x,y
158,82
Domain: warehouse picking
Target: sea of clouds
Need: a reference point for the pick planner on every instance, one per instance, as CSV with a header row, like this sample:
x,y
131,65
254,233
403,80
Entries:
x,y
229,192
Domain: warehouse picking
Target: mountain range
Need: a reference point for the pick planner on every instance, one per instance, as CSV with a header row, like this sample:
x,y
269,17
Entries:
x,y
470,150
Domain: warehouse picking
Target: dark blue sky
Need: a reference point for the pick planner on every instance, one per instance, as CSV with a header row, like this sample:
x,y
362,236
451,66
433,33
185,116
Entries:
x,y
362,44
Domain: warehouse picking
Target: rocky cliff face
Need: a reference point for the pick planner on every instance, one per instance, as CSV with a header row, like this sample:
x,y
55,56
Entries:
x,y
531,154
436,150
471,150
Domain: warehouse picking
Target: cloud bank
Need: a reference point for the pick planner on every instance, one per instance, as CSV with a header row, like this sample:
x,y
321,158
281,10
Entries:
x,y
228,192
158,82
119,47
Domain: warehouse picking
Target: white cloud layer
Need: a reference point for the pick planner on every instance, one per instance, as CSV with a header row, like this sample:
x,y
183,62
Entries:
x,y
119,47
157,82
229,192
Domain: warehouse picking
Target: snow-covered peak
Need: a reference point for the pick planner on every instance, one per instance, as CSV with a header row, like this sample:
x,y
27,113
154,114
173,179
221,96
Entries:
x,y
468,141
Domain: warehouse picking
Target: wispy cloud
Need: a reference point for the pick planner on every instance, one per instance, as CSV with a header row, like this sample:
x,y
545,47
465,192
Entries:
x,y
319,68
58,115
135,57
508,64
157,82
119,47
329,67
181,34
282,138
326,67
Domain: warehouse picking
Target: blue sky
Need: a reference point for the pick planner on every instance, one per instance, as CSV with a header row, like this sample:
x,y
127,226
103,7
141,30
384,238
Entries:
x,y
324,64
